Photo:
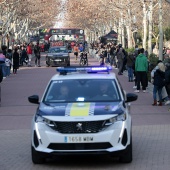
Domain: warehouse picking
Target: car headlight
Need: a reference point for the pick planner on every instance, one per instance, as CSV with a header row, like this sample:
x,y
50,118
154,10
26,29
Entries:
x,y
41,119
121,117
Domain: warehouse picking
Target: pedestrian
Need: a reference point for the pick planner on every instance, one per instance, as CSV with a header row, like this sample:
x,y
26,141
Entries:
x,y
141,69
76,50
37,52
8,64
29,52
120,57
15,61
1,78
129,64
159,83
112,56
2,62
167,81
24,56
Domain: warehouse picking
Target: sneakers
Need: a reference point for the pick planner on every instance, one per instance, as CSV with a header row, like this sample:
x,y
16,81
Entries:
x,y
134,87
136,91
144,91
167,102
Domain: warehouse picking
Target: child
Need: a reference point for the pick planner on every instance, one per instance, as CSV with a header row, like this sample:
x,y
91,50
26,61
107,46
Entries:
x,y
8,64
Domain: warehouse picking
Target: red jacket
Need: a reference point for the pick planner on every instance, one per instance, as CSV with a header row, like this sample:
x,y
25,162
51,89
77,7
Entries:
x,y
29,49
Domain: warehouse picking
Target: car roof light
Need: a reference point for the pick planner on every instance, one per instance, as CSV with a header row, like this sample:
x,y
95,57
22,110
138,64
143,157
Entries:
x,y
88,69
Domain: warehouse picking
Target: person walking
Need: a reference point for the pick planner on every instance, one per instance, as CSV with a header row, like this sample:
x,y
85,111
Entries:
x,y
8,64
141,68
129,64
24,56
29,52
167,82
37,51
2,63
120,57
76,50
15,61
159,83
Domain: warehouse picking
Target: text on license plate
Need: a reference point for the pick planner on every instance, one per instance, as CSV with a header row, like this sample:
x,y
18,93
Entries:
x,y
77,139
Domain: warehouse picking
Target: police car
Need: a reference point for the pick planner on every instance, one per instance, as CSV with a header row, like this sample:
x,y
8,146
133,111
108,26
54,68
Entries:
x,y
84,110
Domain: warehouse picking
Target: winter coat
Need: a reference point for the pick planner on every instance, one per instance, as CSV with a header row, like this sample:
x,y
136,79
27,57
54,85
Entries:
x,y
120,56
159,78
167,75
141,63
130,60
2,58
16,60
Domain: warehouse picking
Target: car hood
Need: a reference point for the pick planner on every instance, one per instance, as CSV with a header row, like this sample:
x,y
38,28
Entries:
x,y
81,109
57,54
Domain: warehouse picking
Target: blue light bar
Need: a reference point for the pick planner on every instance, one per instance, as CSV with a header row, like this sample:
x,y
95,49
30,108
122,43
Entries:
x,y
88,69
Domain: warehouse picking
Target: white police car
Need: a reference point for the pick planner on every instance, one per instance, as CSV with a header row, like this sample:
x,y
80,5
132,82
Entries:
x,y
82,112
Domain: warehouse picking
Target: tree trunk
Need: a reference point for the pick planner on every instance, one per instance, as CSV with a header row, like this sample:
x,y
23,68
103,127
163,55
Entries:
x,y
144,25
150,27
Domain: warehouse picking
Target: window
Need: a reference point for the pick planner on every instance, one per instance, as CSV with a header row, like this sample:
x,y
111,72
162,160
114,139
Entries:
x,y
84,90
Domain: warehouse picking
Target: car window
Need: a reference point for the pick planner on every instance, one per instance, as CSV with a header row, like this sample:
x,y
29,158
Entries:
x,y
58,50
84,90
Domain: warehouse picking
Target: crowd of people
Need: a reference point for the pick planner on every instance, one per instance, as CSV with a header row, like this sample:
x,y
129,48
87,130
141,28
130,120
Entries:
x,y
137,65
14,57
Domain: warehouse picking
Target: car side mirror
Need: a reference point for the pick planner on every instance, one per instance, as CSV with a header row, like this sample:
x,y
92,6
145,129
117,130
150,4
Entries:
x,y
130,97
34,99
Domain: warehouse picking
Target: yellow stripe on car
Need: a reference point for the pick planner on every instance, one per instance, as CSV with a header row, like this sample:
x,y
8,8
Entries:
x,y
80,109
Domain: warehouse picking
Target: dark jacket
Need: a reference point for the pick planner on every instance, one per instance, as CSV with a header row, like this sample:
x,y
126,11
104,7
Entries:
x,y
15,60
159,78
130,60
167,75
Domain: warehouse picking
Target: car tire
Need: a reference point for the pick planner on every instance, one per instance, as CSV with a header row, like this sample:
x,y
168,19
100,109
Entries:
x,y
128,156
36,157
68,64
47,64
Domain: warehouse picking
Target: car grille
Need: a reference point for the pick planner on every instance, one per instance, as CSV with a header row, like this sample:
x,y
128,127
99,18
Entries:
x,y
79,146
79,127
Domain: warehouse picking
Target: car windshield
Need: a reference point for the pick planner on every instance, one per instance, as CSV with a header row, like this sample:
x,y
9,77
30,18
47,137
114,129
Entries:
x,y
84,90
58,50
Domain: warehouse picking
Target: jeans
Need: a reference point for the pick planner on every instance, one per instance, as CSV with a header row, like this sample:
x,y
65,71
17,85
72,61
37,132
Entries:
x,y
2,66
130,73
7,70
159,90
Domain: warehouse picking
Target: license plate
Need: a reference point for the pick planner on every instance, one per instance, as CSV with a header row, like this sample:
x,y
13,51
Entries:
x,y
78,139
58,60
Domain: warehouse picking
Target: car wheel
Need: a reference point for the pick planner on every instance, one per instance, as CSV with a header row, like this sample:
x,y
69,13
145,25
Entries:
x,y
36,157
128,156
47,64
68,64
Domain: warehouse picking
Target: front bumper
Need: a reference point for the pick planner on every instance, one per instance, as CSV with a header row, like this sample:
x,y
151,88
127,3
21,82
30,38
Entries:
x,y
114,140
60,61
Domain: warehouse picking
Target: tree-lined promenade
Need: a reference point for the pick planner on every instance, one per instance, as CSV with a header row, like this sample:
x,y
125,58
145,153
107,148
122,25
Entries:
x,y
135,21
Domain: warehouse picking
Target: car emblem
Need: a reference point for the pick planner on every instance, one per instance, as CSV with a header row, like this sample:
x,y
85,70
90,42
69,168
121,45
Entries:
x,y
79,126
